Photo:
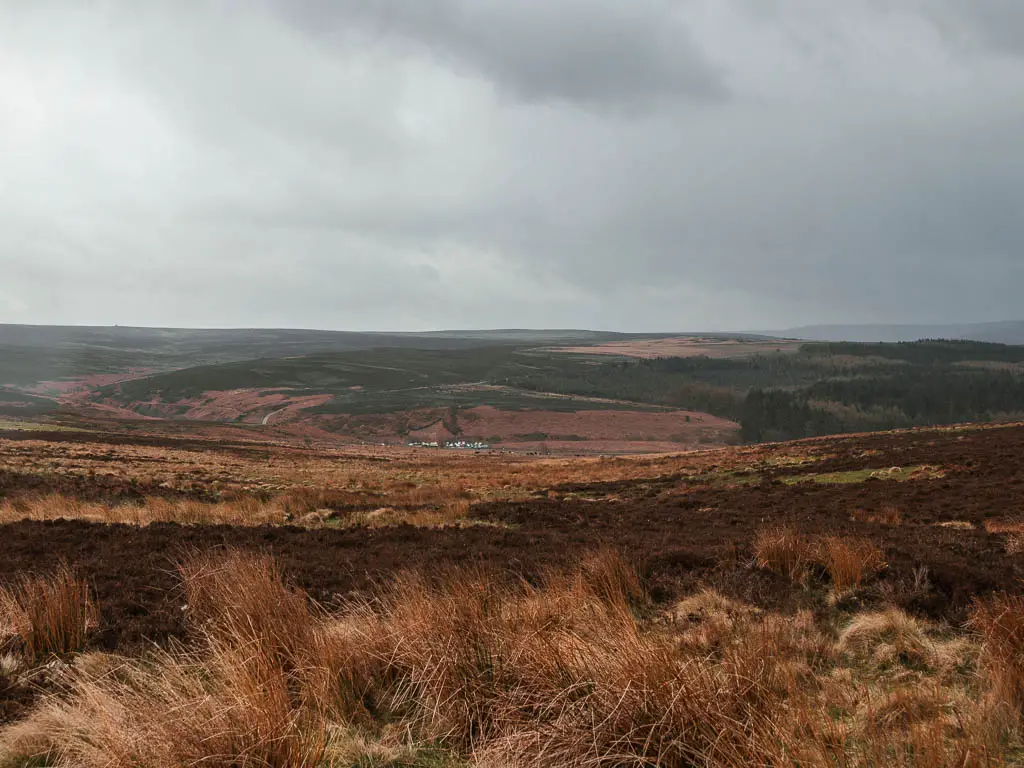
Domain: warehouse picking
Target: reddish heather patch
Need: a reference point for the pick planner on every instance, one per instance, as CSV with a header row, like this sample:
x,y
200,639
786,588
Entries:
x,y
247,406
600,447
584,431
109,410
251,406
689,427
684,346
587,431
77,389
422,424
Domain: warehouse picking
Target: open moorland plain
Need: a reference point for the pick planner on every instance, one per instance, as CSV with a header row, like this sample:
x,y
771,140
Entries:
x,y
176,597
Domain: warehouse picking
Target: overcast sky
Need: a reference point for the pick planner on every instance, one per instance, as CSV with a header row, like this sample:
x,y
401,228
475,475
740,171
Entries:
x,y
419,164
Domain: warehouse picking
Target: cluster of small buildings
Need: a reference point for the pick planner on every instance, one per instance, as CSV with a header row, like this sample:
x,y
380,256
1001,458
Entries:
x,y
471,445
466,444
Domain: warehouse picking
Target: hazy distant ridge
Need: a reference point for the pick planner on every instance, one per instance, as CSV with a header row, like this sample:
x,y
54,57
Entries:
x,y
1009,332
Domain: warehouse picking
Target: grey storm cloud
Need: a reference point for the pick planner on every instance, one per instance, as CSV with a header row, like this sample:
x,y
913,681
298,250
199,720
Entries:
x,y
386,164
602,54
998,23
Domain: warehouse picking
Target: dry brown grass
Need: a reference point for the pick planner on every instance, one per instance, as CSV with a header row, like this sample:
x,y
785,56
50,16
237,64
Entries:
x,y
560,674
887,515
783,551
311,507
887,638
907,707
47,615
847,561
336,486
999,620
957,525
233,701
245,511
565,672
707,604
226,707
298,481
1012,524
1013,528
239,600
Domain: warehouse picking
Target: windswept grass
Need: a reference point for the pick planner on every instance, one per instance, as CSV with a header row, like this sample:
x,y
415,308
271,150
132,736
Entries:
x,y
460,668
848,561
999,620
42,616
783,551
307,507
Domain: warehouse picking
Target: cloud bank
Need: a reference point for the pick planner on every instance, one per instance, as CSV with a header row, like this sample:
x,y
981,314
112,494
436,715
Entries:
x,y
650,165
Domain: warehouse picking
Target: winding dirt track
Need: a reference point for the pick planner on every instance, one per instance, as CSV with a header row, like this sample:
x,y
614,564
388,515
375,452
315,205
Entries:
x,y
681,532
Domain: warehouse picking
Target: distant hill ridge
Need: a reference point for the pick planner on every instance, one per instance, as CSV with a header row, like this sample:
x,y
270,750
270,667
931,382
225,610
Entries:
x,y
1008,332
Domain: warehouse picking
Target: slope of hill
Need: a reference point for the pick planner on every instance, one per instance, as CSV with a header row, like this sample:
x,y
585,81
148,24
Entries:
x,y
30,354
426,395
509,386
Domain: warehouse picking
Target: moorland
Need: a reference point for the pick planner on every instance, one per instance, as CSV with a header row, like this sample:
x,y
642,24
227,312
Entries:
x,y
277,579
187,599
